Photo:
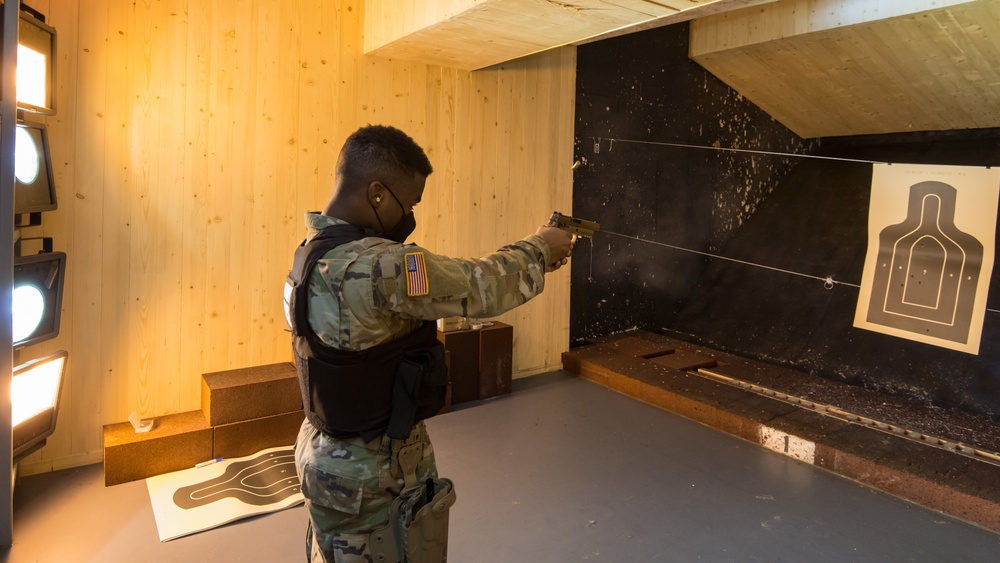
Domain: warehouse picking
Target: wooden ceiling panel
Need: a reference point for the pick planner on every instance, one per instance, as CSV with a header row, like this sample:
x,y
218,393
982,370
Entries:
x,y
821,76
473,34
821,67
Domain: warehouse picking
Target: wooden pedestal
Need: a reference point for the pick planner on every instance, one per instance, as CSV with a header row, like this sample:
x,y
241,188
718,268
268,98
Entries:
x,y
481,362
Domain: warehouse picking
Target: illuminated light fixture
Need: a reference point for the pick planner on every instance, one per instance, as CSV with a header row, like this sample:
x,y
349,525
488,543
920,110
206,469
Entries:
x,y
28,309
26,157
37,297
34,185
34,395
36,63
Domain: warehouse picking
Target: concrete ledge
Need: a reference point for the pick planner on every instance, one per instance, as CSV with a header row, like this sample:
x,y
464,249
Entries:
x,y
641,365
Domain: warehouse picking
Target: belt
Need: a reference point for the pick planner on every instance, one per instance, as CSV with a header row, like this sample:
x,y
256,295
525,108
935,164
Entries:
x,y
385,442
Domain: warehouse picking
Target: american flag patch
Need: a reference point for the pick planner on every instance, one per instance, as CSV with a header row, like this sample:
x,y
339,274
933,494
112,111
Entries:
x,y
416,274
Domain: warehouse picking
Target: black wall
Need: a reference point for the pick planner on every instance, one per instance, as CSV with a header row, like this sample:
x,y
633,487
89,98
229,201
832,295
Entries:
x,y
801,215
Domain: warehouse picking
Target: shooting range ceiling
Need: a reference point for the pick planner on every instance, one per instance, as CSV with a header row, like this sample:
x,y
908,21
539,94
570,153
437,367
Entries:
x,y
474,34
820,67
868,68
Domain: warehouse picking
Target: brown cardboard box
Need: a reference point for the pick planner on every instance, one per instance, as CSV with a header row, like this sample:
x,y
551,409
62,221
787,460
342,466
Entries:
x,y
481,361
250,436
176,441
248,393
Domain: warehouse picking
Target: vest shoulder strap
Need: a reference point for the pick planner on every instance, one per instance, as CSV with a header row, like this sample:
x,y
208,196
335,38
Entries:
x,y
306,256
309,252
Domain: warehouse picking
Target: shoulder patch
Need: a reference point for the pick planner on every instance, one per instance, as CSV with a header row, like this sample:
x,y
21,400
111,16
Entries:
x,y
416,274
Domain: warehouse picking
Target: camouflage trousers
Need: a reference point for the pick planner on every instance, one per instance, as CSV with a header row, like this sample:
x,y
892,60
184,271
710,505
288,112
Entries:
x,y
348,485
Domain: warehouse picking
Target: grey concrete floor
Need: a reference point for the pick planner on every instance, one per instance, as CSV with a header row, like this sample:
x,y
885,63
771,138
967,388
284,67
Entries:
x,y
561,470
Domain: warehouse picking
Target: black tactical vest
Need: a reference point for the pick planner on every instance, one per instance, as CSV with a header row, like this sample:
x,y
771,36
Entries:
x,y
383,389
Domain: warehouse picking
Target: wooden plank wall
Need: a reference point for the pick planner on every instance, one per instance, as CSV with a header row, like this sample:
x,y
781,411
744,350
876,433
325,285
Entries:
x,y
190,139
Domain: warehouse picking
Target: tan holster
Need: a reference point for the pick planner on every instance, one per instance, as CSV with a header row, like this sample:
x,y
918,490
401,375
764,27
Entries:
x,y
417,530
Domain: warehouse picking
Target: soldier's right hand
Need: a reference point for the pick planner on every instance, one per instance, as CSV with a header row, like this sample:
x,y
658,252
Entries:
x,y
560,246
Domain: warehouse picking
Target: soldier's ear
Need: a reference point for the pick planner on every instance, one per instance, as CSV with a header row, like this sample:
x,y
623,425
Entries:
x,y
375,195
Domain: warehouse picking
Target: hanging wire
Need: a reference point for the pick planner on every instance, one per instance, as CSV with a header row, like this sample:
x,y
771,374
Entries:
x,y
598,140
828,281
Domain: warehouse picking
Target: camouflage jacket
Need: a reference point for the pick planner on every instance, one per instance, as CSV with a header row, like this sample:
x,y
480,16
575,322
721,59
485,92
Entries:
x,y
374,290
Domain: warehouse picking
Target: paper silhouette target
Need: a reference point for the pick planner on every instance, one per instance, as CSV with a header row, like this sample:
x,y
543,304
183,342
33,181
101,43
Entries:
x,y
262,480
930,252
197,499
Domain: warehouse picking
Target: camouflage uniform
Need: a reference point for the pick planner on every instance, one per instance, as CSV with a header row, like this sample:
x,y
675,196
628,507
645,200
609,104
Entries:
x,y
360,296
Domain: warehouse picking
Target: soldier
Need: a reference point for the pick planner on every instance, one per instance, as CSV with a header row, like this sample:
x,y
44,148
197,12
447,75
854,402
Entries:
x,y
362,306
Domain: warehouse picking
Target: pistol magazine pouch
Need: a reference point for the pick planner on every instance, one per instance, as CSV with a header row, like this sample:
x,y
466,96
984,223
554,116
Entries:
x,y
417,530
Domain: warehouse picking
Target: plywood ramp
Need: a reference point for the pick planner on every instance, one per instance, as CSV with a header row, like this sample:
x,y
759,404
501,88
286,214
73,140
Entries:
x,y
191,138
828,68
811,419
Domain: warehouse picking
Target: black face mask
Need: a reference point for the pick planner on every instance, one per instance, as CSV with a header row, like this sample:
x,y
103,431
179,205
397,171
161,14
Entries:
x,y
403,229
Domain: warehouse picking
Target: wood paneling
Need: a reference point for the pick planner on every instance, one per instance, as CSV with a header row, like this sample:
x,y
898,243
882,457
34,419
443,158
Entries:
x,y
192,136
830,68
472,34
787,18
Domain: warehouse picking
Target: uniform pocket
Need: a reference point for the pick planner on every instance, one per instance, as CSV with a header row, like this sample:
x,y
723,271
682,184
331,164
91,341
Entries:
x,y
346,548
330,490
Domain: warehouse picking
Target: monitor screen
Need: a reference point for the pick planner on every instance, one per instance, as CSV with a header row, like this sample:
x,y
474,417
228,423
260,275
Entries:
x,y
34,186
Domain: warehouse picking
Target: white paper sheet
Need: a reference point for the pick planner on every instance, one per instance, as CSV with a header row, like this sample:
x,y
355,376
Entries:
x,y
931,234
197,499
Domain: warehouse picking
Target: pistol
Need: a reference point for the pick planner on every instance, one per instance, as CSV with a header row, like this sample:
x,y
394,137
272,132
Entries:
x,y
572,225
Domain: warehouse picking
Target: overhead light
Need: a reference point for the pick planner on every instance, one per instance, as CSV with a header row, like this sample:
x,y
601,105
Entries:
x,y
34,186
34,395
36,60
37,297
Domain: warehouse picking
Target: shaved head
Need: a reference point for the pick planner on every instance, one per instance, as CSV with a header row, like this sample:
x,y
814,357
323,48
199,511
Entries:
x,y
379,153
